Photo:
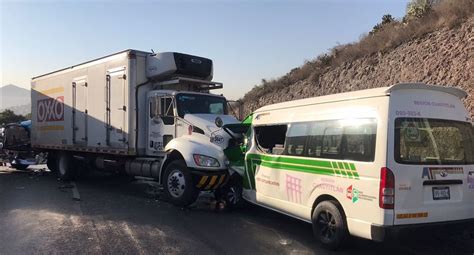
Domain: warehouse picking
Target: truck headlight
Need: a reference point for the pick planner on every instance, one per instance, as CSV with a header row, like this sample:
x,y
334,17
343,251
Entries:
x,y
207,161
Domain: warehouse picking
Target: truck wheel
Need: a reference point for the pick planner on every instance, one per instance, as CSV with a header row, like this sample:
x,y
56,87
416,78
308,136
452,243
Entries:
x,y
329,225
52,163
178,184
66,168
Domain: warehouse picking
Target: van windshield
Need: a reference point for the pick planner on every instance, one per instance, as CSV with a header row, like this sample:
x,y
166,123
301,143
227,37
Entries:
x,y
422,141
195,104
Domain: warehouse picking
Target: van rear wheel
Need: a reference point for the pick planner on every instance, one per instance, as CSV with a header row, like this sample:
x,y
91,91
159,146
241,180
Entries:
x,y
66,168
329,224
178,184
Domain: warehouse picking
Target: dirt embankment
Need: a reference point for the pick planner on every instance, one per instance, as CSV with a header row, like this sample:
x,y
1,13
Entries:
x,y
444,57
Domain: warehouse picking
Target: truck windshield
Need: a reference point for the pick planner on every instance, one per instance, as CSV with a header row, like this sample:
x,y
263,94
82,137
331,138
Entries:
x,y
433,142
195,104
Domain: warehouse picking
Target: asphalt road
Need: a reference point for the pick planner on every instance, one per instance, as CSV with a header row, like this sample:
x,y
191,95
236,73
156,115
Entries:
x,y
40,215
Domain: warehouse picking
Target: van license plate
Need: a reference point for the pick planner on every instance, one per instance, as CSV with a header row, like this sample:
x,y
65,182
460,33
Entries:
x,y
441,193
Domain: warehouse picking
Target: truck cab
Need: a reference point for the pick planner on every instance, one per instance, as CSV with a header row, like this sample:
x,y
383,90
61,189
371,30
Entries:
x,y
185,128
185,139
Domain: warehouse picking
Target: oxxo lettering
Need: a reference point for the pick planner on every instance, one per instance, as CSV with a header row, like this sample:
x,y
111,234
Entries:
x,y
50,109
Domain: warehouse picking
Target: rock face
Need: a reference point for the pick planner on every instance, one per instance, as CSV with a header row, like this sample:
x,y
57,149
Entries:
x,y
444,57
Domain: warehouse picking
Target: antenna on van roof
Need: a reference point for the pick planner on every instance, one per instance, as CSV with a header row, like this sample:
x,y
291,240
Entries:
x,y
153,52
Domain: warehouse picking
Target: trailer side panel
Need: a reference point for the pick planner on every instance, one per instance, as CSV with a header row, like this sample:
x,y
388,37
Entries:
x,y
85,107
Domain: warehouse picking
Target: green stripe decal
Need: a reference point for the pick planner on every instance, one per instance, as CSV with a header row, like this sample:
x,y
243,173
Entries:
x,y
315,166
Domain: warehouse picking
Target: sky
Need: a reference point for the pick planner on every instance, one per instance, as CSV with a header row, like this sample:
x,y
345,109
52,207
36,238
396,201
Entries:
x,y
247,40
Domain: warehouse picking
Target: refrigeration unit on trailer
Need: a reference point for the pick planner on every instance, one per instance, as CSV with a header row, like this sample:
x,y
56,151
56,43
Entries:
x,y
367,163
149,114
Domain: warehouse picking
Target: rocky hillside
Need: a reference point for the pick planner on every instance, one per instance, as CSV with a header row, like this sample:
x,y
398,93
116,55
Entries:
x,y
443,57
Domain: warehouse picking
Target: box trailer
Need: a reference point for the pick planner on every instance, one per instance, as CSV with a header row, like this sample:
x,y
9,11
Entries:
x,y
148,114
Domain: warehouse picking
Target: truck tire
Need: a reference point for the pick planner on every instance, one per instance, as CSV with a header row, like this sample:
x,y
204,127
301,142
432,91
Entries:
x,y
52,163
66,167
329,224
178,184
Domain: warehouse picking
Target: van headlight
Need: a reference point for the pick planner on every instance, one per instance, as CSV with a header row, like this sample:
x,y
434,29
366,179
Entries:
x,y
206,161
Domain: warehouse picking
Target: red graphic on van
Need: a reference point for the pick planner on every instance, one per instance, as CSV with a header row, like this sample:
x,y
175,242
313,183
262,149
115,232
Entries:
x,y
50,109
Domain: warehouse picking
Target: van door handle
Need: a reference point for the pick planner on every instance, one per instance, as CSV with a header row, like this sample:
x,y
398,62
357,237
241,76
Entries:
x,y
441,182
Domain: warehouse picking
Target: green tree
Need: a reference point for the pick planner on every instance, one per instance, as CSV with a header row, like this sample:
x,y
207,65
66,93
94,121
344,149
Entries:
x,y
8,116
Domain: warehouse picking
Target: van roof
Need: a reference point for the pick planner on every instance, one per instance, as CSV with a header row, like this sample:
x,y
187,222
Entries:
x,y
366,93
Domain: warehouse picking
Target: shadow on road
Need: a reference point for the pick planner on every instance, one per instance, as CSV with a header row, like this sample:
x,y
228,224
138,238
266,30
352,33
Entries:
x,y
117,215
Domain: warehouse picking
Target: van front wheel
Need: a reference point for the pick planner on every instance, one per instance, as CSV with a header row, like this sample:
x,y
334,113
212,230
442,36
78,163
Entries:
x,y
178,184
329,225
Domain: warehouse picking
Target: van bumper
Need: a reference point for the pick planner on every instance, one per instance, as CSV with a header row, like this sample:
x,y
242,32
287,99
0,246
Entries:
x,y
381,233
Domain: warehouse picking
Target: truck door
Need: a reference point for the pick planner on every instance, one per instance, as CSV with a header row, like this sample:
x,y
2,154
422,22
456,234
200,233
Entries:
x,y
116,109
79,112
161,123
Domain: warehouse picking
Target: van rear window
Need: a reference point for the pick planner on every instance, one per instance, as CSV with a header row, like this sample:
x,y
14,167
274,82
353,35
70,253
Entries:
x,y
423,141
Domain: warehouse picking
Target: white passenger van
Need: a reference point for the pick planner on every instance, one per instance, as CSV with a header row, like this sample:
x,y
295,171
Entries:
x,y
363,163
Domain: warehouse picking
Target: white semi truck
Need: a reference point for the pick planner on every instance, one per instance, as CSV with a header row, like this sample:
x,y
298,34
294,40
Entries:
x,y
148,114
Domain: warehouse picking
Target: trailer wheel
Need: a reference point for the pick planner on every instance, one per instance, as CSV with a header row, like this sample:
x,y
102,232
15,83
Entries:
x,y
52,163
329,225
66,168
178,184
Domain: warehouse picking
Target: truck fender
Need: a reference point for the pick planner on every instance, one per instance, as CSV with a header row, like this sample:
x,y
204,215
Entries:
x,y
188,145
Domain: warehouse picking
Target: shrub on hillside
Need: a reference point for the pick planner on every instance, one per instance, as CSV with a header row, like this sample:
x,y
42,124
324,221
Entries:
x,y
419,8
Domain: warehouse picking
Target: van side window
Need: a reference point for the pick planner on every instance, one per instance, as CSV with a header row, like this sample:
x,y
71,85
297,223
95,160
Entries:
x,y
359,140
271,139
296,139
337,139
315,140
331,142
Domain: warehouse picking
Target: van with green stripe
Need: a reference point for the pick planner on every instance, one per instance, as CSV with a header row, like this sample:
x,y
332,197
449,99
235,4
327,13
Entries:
x,y
365,163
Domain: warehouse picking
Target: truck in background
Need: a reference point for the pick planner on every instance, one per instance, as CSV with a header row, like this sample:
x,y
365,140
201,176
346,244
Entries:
x,y
15,146
146,114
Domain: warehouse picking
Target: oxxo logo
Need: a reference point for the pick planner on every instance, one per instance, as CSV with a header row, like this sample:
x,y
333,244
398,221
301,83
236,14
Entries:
x,y
50,109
